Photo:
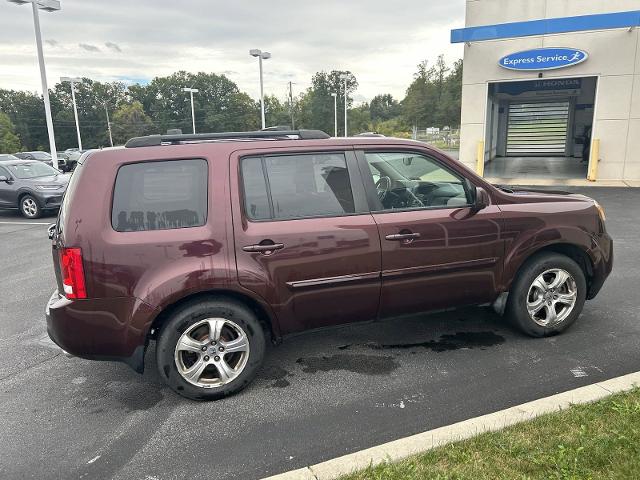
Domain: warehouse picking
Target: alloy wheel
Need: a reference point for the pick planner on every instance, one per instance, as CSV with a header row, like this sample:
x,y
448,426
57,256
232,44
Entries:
x,y
212,352
29,207
551,297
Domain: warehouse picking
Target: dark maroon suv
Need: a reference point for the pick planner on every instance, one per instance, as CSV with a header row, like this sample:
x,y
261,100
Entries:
x,y
214,244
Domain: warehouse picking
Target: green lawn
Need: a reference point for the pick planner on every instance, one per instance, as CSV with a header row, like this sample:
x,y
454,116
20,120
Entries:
x,y
594,441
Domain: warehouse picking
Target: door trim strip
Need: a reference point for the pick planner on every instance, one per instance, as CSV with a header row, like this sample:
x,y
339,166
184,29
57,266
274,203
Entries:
x,y
442,267
331,281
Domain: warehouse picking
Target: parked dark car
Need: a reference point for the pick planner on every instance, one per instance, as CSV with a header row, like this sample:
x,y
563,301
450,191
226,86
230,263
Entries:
x,y
44,157
214,244
30,186
71,160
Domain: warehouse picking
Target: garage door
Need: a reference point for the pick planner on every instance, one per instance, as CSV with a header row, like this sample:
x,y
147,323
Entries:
x,y
538,128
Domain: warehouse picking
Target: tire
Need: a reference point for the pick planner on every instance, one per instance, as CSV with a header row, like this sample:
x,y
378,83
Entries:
x,y
537,288
212,374
29,207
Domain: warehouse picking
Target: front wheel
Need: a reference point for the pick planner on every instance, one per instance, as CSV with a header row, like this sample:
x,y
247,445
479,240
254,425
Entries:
x,y
547,296
29,207
210,349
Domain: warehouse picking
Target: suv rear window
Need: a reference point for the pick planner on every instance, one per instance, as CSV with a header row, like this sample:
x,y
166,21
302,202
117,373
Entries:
x,y
160,195
296,186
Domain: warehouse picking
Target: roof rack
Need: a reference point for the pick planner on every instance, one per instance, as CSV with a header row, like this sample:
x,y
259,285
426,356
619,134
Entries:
x,y
156,140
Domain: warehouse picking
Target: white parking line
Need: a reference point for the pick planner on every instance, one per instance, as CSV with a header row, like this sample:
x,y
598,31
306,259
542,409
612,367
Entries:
x,y
26,223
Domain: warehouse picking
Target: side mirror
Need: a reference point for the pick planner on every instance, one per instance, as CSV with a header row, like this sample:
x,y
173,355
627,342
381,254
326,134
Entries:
x,y
482,199
407,161
4,179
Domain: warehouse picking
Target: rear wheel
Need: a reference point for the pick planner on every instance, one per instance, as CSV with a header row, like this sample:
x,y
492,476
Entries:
x,y
547,296
29,207
210,349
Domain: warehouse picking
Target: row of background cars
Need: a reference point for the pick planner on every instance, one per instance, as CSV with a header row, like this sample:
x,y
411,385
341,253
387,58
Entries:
x,y
30,184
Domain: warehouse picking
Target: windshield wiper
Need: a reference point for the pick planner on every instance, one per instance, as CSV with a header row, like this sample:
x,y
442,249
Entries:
x,y
504,188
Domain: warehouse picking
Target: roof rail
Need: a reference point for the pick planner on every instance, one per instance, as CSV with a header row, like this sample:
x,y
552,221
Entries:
x,y
156,140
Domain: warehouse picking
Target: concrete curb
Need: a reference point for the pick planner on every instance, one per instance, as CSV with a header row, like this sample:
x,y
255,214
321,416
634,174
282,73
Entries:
x,y
421,442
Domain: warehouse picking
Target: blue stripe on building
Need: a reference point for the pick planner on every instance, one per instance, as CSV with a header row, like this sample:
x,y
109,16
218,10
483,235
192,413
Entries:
x,y
602,21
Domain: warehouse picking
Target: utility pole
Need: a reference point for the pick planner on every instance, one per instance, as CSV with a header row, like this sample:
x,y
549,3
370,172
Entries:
x,y
293,123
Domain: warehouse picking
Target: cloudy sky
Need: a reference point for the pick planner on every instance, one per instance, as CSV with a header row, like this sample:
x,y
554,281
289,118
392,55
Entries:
x,y
380,41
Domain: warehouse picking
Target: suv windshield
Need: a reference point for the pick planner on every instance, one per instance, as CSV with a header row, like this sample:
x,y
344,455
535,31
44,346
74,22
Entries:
x,y
32,170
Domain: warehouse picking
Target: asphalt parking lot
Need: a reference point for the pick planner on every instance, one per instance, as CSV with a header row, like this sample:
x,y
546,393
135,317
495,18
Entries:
x,y
320,394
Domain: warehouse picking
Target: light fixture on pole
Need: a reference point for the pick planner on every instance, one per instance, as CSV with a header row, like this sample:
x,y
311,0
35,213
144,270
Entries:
x,y
335,113
73,80
193,115
261,56
344,76
47,6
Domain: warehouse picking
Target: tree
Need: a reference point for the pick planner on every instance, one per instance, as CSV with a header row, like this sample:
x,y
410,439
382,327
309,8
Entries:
x,y
9,141
315,106
383,107
130,121
433,98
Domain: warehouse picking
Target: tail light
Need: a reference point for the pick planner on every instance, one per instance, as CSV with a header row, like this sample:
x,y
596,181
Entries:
x,y
72,273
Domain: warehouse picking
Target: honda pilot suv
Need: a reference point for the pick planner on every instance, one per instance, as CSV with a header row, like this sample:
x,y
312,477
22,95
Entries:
x,y
212,245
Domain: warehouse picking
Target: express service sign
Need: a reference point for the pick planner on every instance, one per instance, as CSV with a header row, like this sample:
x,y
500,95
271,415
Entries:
x,y
543,59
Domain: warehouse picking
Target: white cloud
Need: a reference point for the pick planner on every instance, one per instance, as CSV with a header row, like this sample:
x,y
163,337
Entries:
x,y
381,42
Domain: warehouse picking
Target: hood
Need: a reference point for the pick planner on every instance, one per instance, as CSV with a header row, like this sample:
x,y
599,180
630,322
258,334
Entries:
x,y
62,179
532,193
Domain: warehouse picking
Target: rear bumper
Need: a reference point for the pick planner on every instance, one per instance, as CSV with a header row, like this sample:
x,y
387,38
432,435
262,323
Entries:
x,y
602,265
112,329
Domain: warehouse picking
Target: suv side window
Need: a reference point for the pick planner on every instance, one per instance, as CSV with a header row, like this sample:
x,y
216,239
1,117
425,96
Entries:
x,y
406,180
160,195
284,187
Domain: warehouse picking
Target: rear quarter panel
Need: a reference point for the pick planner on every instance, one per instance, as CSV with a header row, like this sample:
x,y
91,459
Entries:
x,y
156,267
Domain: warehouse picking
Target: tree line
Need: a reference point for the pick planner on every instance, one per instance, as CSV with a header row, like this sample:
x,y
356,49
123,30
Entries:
x,y
432,100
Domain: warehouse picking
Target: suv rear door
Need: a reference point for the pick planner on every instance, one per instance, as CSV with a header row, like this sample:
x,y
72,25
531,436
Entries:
x,y
305,240
436,251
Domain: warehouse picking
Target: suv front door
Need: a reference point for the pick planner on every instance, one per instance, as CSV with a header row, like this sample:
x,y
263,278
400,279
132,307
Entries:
x,y
437,251
305,239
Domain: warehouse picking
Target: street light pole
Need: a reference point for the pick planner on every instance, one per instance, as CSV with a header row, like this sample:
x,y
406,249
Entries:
x,y
106,110
293,123
49,6
71,80
344,77
193,115
261,56
335,114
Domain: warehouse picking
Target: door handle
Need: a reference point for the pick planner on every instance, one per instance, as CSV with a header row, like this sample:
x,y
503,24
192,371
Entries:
x,y
266,249
402,236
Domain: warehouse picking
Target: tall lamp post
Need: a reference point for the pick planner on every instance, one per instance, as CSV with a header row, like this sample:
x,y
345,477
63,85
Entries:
x,y
344,76
47,6
73,80
261,56
335,113
193,115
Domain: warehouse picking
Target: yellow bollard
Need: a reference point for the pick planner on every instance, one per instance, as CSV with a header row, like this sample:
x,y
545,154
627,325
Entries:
x,y
480,158
592,173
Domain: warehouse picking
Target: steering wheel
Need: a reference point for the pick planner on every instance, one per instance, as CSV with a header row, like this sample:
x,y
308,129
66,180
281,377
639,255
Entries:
x,y
382,187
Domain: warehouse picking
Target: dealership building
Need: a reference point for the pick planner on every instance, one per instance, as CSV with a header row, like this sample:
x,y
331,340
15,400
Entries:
x,y
551,89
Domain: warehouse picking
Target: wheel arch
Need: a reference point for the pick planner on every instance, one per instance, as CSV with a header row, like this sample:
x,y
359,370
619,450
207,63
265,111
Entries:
x,y
577,253
263,313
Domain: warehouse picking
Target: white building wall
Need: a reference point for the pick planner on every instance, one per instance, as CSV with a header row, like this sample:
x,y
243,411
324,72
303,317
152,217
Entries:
x,y
614,57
